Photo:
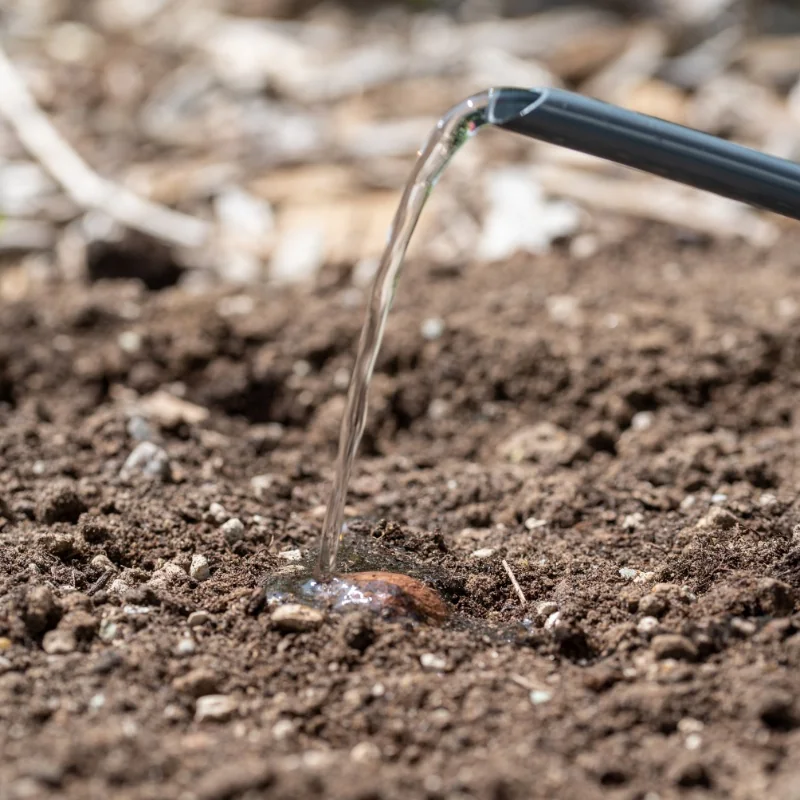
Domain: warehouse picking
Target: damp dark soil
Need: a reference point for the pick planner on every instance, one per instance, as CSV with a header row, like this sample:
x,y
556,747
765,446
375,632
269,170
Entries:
x,y
623,431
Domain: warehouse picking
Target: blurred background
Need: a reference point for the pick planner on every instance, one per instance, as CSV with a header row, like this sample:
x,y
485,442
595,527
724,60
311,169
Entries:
x,y
283,130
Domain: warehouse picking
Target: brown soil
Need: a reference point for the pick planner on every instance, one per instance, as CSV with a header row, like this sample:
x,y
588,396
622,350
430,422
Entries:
x,y
651,428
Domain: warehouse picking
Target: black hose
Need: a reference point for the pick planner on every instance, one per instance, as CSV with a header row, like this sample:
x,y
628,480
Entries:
x,y
652,145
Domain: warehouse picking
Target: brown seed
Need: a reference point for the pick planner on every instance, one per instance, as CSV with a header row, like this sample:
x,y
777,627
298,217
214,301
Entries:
x,y
401,595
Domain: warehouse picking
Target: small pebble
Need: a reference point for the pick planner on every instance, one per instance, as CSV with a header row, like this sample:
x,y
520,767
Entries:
x,y
198,618
169,575
233,530
136,611
108,630
186,647
628,574
690,725
647,625
633,521
199,570
217,512
296,618
341,379
260,485
718,519
59,642
283,729
743,627
5,665
103,563
214,708
484,552
118,586
532,523
147,459
291,555
693,741
546,608
552,620
140,429
130,342
432,662
438,409
540,696
365,753
642,421
432,328
718,498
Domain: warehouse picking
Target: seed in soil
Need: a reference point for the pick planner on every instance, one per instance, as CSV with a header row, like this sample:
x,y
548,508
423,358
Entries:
x,y
389,594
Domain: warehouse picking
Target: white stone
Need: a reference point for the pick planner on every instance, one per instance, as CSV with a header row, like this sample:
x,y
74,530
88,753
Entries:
x,y
198,618
169,575
365,753
130,342
552,620
647,625
218,512
532,523
233,530
186,646
633,521
642,420
108,630
546,608
484,552
136,611
59,642
260,484
296,618
199,568
540,696
628,574
103,563
693,741
214,708
432,662
432,328
147,459
283,729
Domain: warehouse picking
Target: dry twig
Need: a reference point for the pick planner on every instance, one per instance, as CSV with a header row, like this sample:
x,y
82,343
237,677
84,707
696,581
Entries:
x,y
515,583
86,188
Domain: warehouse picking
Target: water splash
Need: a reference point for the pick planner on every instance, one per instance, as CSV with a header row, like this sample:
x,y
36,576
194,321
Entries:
x,y
453,129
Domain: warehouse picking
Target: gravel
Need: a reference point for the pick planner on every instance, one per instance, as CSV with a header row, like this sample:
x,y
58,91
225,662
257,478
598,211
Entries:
x,y
296,618
199,570
214,708
147,459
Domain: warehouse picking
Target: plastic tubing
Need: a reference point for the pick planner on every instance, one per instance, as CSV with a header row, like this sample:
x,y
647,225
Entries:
x,y
652,145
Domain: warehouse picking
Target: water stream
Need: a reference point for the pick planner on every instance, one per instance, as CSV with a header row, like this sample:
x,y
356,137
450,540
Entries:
x,y
453,129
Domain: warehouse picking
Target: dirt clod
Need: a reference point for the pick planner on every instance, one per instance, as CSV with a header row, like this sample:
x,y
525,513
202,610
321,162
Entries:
x,y
59,503
670,645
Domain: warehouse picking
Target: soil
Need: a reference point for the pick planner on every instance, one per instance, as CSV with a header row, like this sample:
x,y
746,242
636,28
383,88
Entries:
x,y
622,430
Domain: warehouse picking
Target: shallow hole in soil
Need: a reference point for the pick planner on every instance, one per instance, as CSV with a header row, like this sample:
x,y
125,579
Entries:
x,y
383,580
